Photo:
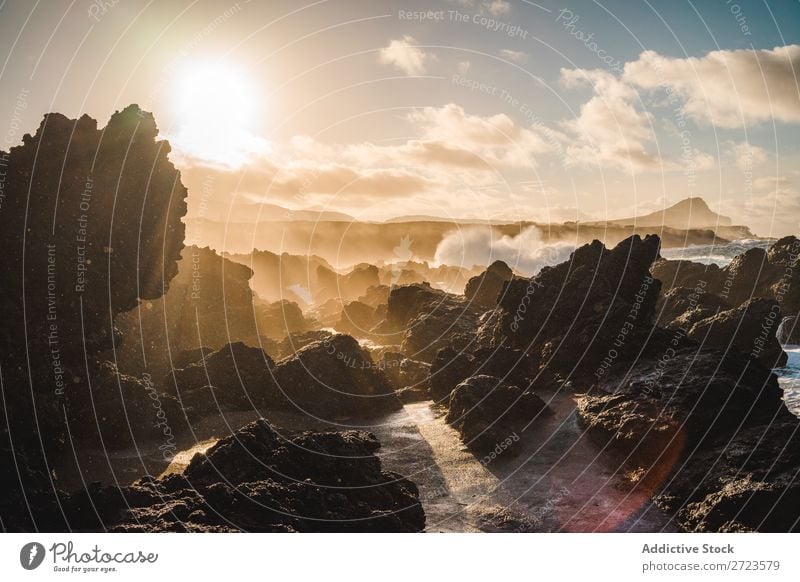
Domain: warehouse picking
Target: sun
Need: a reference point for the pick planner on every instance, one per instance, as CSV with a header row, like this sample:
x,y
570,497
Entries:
x,y
216,109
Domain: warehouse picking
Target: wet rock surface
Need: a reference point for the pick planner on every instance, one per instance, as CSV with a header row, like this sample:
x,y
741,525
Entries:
x,y
484,290
689,426
488,413
258,480
769,274
749,329
568,315
335,377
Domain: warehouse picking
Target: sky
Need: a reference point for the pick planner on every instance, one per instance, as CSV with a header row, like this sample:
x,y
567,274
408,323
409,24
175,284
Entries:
x,y
517,110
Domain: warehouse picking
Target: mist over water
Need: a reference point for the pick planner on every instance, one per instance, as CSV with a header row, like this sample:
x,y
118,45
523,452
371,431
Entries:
x,y
526,253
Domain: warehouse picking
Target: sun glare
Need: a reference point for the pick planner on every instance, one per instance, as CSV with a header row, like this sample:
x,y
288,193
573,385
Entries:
x,y
216,110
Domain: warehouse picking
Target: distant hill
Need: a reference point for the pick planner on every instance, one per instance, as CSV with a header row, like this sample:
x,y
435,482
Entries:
x,y
263,212
691,213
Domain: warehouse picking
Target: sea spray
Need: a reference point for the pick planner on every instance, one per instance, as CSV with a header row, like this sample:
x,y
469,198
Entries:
x,y
526,253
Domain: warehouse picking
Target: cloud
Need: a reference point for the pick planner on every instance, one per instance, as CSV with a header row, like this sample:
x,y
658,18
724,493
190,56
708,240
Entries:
x,y
526,253
610,129
514,56
497,139
496,7
727,88
404,55
746,155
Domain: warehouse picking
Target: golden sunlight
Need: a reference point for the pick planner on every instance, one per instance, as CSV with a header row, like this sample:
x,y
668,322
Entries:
x,y
216,106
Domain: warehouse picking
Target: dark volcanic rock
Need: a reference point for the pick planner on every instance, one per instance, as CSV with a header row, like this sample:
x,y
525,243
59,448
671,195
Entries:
x,y
712,434
696,394
405,373
258,480
771,274
682,307
449,368
236,377
123,411
487,411
294,342
484,290
91,224
427,319
209,303
335,377
686,274
276,320
570,315
749,329
358,319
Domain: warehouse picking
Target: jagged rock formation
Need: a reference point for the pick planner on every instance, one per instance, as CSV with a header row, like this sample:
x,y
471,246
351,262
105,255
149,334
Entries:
x,y
682,307
277,320
749,329
259,480
358,319
770,274
209,303
570,315
427,319
235,377
90,225
484,290
294,342
710,433
487,412
335,377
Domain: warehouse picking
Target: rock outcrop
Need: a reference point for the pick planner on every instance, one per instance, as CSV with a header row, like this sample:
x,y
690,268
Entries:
x,y
427,320
488,413
748,329
770,274
484,290
569,316
257,480
335,377
710,435
90,226
209,303
235,377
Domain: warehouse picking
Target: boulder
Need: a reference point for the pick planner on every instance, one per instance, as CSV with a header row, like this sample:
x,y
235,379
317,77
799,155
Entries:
x,y
686,274
403,372
294,342
335,377
427,319
236,377
569,316
276,320
749,329
681,307
258,480
357,319
679,400
709,433
486,411
484,289
450,367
